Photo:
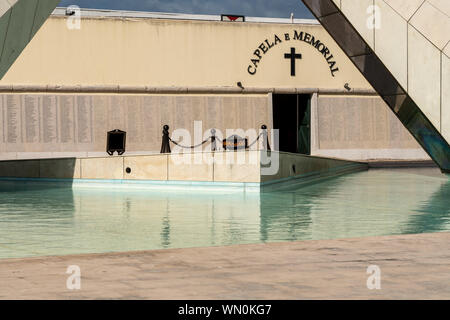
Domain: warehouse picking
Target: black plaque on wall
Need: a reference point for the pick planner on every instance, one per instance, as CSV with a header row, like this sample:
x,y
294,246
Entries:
x,y
116,142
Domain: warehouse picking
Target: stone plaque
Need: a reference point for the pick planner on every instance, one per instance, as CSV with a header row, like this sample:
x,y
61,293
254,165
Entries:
x,y
66,119
49,120
31,111
13,119
84,119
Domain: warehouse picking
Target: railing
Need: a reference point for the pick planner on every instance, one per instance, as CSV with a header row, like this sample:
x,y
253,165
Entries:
x,y
235,143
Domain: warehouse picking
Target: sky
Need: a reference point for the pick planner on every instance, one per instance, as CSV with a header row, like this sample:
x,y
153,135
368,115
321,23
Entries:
x,y
253,8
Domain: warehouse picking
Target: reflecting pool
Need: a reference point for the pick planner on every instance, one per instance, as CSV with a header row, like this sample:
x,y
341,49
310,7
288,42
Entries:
x,y
40,219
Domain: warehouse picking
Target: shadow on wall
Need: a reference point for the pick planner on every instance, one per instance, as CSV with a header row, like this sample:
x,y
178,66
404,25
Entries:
x,y
63,169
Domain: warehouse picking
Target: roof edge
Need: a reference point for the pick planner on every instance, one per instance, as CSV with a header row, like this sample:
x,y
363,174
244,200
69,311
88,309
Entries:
x,y
121,14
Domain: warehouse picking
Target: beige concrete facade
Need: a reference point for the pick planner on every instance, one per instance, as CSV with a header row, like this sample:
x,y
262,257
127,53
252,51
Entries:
x,y
308,168
177,53
37,125
138,74
360,128
70,125
240,167
147,168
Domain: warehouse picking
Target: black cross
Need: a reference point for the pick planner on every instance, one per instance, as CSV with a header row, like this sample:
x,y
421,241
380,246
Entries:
x,y
293,56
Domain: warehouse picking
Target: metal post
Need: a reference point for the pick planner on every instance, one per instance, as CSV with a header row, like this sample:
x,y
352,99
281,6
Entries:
x,y
266,145
213,140
165,147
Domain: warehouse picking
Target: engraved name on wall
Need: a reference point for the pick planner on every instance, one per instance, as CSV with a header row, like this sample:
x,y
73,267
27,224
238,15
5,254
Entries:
x,y
33,123
69,123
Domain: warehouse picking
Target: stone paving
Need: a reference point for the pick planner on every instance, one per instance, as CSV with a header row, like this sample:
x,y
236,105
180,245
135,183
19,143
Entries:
x,y
412,267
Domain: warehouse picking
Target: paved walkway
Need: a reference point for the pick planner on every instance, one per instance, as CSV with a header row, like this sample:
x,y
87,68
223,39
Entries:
x,y
412,267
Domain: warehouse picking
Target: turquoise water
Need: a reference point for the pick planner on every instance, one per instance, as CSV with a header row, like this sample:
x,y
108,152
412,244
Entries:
x,y
38,219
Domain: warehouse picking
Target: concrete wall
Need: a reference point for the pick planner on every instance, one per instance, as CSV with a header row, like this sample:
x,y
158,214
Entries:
x,y
234,167
297,169
155,55
38,125
206,167
167,53
70,125
360,128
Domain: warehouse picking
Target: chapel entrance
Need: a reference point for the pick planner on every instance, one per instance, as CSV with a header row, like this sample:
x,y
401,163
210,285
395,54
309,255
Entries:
x,y
292,117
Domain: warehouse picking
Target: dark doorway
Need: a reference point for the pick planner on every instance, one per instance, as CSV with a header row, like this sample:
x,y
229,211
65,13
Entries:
x,y
292,116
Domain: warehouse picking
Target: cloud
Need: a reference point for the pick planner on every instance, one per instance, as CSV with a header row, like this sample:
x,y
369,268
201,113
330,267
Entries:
x,y
256,8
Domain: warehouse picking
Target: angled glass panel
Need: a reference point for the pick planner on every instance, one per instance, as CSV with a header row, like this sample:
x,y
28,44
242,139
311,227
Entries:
x,y
376,73
4,21
338,27
321,8
43,10
345,35
18,26
381,79
420,127
395,101
19,30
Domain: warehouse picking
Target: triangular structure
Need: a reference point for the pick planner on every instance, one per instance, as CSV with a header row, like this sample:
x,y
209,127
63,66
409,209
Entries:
x,y
402,47
19,22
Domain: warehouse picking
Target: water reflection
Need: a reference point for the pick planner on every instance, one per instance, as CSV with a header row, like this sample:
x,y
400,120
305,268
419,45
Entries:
x,y
51,221
434,214
165,232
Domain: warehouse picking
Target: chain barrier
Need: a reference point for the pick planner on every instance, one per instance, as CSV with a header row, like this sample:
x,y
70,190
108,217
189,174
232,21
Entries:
x,y
165,147
190,147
